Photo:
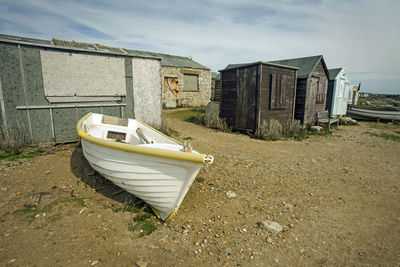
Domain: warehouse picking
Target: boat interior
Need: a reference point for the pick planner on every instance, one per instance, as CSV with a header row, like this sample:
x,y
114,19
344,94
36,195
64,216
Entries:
x,y
123,130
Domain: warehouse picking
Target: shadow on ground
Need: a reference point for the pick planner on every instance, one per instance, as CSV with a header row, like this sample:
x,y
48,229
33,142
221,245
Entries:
x,y
82,170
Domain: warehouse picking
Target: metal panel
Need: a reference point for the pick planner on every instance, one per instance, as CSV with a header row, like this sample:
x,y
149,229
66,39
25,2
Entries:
x,y
82,74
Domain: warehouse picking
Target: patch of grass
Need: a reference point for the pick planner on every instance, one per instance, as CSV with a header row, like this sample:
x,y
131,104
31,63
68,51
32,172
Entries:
x,y
199,179
187,114
26,211
142,217
77,201
385,136
321,133
187,138
300,137
12,157
143,223
127,208
13,138
147,227
192,119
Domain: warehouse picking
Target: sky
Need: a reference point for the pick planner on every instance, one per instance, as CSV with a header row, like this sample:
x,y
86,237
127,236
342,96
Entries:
x,y
362,36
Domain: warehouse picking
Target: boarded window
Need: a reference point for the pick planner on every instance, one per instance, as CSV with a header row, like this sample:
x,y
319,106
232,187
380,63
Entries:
x,y
72,74
279,91
320,93
191,82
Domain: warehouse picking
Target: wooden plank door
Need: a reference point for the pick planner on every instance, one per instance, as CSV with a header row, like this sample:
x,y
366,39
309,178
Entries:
x,y
246,98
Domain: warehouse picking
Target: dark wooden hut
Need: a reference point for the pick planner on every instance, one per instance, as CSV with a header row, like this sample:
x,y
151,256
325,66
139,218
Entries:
x,y
312,86
255,92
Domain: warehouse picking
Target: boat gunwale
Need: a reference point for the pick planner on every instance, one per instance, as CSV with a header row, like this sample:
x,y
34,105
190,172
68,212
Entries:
x,y
148,151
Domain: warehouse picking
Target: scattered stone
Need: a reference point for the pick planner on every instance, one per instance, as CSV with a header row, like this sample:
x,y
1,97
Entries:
x,y
289,207
347,121
141,263
226,252
269,240
151,246
197,244
47,172
316,128
94,262
230,194
33,201
268,225
12,260
314,161
82,210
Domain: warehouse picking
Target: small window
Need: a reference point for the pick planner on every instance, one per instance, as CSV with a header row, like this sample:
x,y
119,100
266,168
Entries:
x,y
191,82
320,94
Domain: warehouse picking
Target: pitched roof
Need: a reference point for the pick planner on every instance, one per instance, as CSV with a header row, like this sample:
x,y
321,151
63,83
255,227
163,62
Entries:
x,y
166,60
24,39
333,73
236,66
305,64
215,75
170,60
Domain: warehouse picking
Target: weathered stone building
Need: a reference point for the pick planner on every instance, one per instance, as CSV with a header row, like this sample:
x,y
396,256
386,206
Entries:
x,y
185,82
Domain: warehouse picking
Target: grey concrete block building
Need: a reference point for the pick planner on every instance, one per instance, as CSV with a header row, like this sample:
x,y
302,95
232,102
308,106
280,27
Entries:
x,y
46,86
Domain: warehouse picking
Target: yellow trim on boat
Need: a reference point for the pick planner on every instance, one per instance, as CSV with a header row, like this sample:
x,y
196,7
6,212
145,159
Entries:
x,y
155,212
149,151
82,133
172,215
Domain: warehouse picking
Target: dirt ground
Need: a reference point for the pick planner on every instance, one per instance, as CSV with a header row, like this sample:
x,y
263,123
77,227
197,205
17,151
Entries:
x,y
326,200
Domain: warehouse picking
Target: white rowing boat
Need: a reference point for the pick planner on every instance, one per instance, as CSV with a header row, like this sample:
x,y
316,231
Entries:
x,y
141,160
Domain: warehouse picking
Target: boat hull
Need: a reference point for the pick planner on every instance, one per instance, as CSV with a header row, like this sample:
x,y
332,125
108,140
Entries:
x,y
141,160
370,114
160,182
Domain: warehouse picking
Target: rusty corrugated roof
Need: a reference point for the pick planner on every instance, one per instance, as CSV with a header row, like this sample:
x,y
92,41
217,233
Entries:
x,y
166,60
88,46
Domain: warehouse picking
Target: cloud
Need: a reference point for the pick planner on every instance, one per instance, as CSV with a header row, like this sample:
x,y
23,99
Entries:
x,y
359,34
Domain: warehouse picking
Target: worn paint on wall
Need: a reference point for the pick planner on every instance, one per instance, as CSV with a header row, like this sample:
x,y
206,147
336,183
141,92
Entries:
x,y
256,93
187,98
64,120
340,91
311,95
147,92
170,92
82,74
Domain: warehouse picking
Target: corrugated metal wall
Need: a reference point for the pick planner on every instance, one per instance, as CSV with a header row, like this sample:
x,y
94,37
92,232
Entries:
x,y
52,117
